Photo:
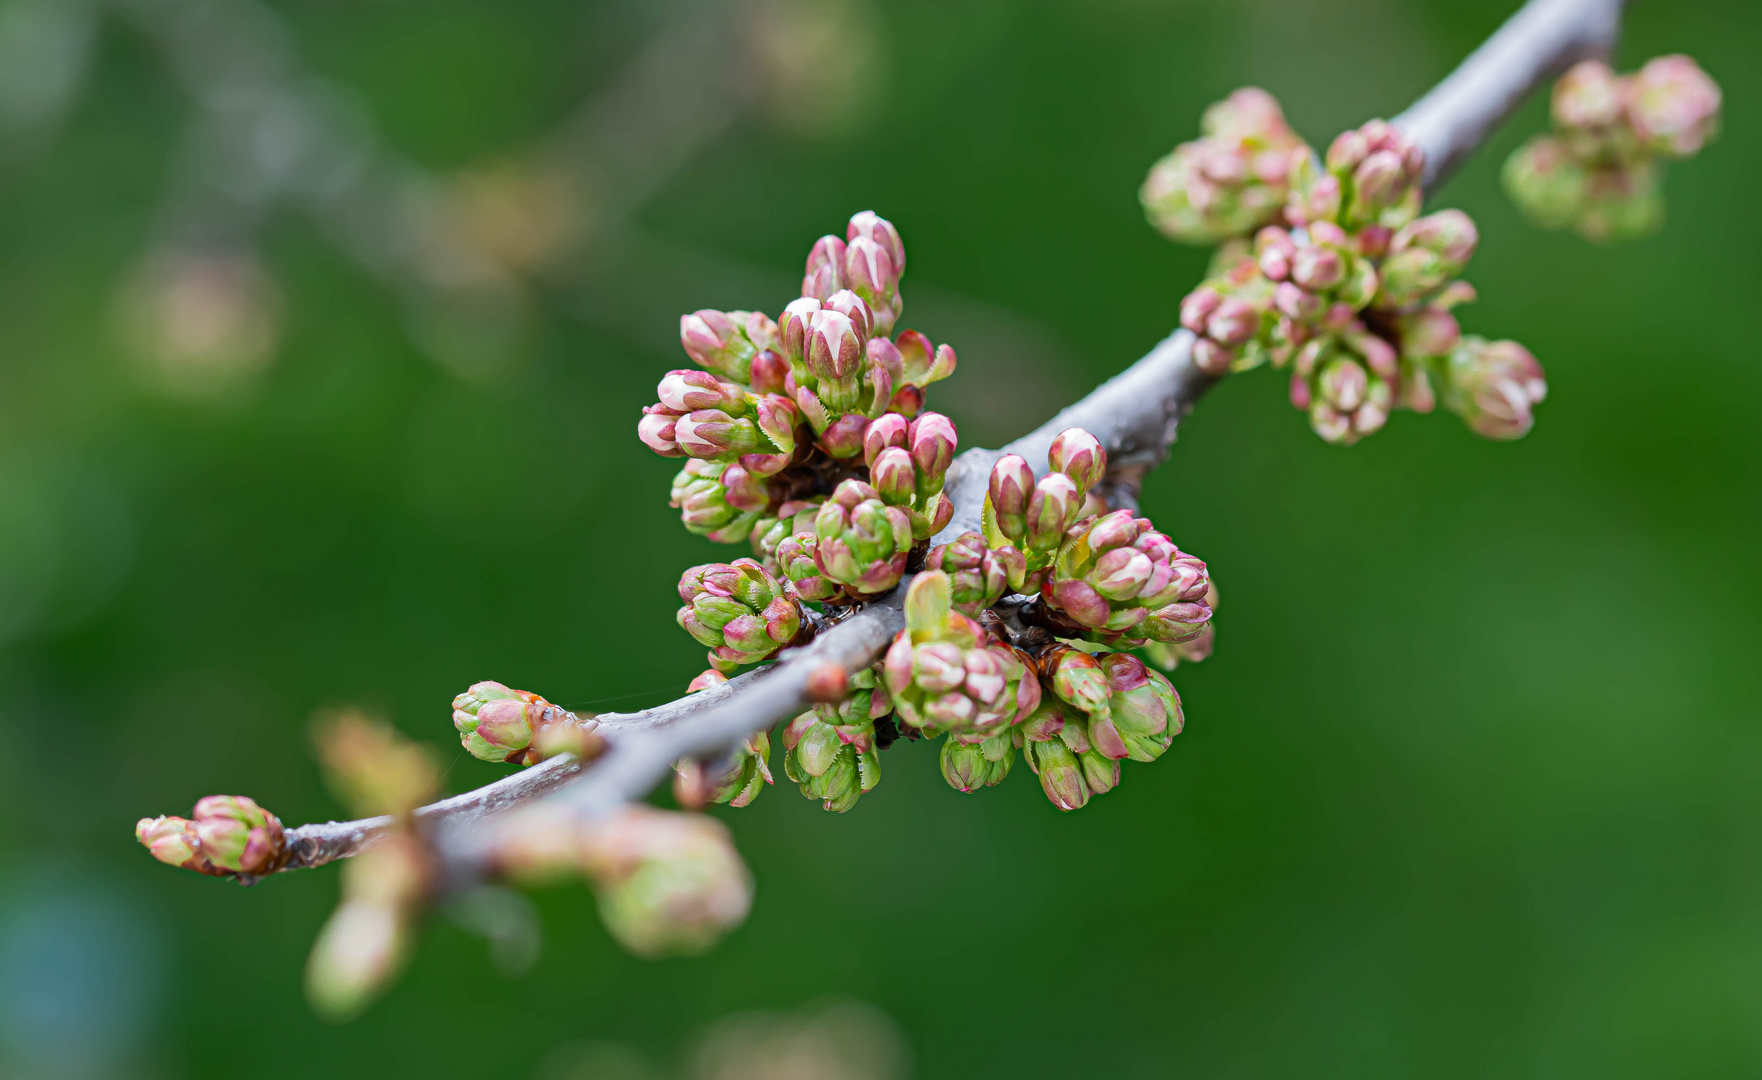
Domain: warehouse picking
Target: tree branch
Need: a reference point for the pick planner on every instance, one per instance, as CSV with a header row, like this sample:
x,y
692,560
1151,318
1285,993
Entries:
x,y
1544,37
1136,415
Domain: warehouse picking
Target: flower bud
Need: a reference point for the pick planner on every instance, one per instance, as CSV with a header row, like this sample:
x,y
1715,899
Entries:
x,y
1494,386
656,429
971,765
871,226
687,390
768,370
1587,97
236,834
712,434
1052,508
844,436
825,269
1673,106
932,440
1011,485
796,558
792,331
894,476
173,841
883,432
714,340
870,274
1546,182
708,680
1080,456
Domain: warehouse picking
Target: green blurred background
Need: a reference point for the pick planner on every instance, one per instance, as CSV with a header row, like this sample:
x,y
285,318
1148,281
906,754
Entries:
x,y
326,326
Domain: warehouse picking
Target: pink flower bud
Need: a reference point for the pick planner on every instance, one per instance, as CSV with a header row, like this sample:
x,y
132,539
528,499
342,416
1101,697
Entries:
x,y
1197,307
825,269
1588,96
767,372
1342,384
1052,509
1316,268
707,335
871,226
792,328
1234,322
1295,302
657,431
1673,106
687,390
1212,358
834,345
744,490
1012,481
888,430
894,476
1080,456
854,308
711,433
843,437
933,441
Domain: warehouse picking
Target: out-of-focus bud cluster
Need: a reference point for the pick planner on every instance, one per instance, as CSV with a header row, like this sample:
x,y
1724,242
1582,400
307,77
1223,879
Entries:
x,y
807,436
1600,170
374,770
668,883
1230,181
1345,285
225,835
496,723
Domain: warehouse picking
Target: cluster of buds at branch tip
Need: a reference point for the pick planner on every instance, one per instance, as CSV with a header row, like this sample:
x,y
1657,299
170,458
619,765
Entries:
x,y
830,750
1599,171
1230,181
386,888
497,723
223,836
1354,291
738,610
668,883
1026,519
1128,584
946,674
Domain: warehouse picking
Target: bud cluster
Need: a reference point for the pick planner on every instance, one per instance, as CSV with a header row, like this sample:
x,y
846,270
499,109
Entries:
x,y
1351,289
497,723
1228,182
739,610
830,749
1599,171
1026,519
807,436
224,835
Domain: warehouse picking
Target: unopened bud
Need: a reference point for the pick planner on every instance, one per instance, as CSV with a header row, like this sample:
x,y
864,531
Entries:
x,y
825,269
1673,106
1080,456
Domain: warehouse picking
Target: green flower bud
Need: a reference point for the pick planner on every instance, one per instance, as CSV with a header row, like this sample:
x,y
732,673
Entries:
x,y
834,763
1494,386
977,577
739,611
970,762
